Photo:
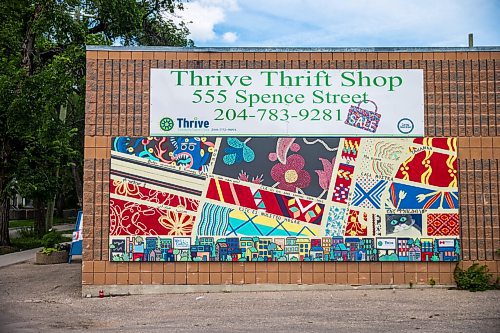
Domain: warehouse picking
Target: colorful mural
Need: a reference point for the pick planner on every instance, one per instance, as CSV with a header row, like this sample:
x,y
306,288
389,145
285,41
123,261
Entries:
x,y
283,199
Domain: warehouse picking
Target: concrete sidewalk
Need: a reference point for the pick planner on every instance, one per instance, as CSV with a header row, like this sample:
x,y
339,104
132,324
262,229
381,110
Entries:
x,y
23,256
18,257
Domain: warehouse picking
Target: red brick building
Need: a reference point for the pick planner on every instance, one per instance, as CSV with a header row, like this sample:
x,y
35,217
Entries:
x,y
461,100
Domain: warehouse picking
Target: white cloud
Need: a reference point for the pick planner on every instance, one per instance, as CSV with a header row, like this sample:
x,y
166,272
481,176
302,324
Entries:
x,y
229,37
231,5
359,22
201,17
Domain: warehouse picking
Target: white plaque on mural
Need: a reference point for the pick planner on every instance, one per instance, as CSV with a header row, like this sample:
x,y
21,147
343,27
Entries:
x,y
386,243
287,102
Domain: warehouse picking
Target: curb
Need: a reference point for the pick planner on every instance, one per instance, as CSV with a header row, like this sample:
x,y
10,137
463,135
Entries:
x,y
126,290
18,257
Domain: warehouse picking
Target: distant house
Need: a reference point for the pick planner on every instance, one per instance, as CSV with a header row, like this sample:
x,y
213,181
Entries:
x,y
166,249
403,249
200,251
278,252
221,251
326,243
340,252
169,256
246,243
291,248
414,253
138,249
427,249
155,255
263,248
367,246
304,246
209,241
316,253
352,245
254,253
233,248
150,249
446,250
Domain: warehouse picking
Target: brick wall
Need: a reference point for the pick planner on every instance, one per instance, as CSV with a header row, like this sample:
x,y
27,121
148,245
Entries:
x,y
461,99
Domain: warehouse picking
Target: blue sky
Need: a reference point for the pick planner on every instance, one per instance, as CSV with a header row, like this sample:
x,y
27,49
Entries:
x,y
336,23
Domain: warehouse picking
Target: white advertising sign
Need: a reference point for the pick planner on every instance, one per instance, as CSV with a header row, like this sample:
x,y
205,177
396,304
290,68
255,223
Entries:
x,y
446,243
287,102
182,243
386,243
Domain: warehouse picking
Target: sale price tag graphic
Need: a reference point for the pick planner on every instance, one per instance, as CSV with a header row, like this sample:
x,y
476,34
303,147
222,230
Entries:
x,y
363,118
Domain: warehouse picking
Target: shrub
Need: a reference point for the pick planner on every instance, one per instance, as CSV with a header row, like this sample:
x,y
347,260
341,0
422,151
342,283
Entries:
x,y
26,243
7,250
49,250
52,240
27,239
26,232
474,278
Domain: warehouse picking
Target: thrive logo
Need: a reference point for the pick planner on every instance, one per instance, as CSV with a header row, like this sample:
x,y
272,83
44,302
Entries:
x,y
195,123
166,124
405,126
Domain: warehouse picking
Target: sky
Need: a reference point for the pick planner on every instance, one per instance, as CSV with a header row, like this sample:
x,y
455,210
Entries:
x,y
342,23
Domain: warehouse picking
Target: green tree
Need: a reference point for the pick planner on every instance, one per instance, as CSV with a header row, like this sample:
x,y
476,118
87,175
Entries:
x,y
457,248
42,86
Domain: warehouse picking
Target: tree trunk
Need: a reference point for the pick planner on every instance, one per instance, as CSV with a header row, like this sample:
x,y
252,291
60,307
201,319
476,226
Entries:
x,y
39,207
4,222
29,41
60,205
78,185
49,215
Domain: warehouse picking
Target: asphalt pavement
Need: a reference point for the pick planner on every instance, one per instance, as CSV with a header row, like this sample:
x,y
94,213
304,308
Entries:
x,y
48,299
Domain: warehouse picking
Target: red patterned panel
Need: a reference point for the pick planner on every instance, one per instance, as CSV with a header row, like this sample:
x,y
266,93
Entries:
x,y
245,196
430,168
354,226
442,143
351,148
235,194
273,203
443,225
131,190
130,218
218,190
343,183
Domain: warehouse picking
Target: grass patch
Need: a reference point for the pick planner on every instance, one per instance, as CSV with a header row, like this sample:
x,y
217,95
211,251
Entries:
x,y
30,223
20,223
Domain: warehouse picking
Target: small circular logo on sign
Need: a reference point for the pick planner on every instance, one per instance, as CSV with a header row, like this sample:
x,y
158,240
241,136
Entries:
x,y
166,124
405,126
